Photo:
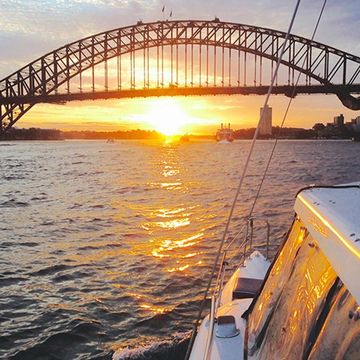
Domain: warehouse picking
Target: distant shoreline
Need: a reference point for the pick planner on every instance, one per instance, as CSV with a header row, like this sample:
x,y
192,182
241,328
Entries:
x,y
33,134
5,142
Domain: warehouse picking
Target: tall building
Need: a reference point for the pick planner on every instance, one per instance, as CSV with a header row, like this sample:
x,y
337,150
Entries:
x,y
356,124
266,123
339,120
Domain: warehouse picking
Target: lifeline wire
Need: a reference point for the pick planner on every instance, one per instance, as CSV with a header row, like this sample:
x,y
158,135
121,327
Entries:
x,y
284,117
241,180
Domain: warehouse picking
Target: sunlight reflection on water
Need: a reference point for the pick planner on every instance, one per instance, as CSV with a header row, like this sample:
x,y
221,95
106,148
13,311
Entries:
x,y
107,245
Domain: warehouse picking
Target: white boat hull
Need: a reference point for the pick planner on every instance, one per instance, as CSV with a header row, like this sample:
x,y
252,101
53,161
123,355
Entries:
x,y
230,348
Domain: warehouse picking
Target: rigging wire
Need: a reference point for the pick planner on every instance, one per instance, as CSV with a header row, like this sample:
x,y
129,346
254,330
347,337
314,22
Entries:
x,y
284,117
241,182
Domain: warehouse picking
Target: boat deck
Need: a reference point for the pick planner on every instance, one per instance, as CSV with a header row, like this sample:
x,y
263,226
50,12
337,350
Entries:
x,y
231,348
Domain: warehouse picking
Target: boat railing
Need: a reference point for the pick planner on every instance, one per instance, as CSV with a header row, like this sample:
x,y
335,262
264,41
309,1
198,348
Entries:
x,y
246,234
245,238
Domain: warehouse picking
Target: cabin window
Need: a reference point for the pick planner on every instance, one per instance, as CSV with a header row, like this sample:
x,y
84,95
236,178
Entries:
x,y
291,301
339,337
274,284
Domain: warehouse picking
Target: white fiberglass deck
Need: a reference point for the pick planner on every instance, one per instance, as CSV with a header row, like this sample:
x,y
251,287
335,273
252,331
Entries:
x,y
232,348
332,216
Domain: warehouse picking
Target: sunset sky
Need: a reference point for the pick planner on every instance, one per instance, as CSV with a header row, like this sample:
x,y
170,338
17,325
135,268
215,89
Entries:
x,y
30,28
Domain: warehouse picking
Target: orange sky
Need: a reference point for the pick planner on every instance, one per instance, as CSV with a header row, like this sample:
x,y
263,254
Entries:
x,y
197,115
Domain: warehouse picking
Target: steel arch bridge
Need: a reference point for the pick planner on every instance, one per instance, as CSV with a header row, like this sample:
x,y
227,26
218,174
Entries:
x,y
168,58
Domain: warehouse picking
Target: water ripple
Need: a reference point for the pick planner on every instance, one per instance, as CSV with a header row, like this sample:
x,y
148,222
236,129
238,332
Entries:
x,y
107,249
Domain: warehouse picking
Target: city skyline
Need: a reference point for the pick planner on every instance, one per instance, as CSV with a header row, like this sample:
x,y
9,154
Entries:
x,y
26,40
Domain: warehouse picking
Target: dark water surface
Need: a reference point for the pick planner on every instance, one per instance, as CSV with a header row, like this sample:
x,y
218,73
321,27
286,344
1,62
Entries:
x,y
105,246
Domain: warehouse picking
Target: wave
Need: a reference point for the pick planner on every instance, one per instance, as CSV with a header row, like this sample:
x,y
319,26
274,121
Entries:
x,y
76,206
11,280
99,247
38,198
12,203
172,349
12,177
52,270
62,345
29,244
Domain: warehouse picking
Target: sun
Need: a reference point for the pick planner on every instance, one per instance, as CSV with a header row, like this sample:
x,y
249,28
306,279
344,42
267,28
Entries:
x,y
167,117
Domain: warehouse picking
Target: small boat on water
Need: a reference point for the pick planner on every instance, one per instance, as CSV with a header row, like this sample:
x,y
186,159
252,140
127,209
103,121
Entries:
x,y
304,304
225,134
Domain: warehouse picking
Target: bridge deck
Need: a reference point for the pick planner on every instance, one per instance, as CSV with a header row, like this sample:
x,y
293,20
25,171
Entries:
x,y
180,91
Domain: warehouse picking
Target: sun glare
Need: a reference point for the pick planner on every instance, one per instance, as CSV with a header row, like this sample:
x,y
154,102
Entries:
x,y
167,117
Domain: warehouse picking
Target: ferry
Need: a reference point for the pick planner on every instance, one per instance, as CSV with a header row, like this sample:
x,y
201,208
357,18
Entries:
x,y
225,134
302,305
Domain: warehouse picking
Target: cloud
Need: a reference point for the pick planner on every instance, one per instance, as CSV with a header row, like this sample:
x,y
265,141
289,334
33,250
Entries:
x,y
30,28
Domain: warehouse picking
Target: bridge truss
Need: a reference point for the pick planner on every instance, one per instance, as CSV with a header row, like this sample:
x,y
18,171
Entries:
x,y
170,58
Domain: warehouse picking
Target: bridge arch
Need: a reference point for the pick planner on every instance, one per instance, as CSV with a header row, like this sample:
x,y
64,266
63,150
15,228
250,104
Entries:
x,y
333,70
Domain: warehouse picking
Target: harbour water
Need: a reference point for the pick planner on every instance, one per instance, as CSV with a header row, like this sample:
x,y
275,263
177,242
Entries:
x,y
108,246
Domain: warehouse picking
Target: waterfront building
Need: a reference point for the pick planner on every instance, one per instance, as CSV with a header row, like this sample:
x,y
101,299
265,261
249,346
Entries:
x,y
339,120
356,124
265,127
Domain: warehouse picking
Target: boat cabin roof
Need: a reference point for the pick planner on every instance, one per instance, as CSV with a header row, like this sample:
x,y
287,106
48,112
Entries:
x,y
332,216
